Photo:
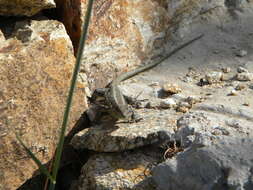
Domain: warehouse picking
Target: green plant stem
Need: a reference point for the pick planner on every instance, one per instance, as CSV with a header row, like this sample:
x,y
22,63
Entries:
x,y
71,92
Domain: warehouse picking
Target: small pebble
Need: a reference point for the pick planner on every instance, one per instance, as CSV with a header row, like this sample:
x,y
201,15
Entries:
x,y
233,93
244,76
154,84
152,104
241,53
193,100
187,79
182,109
226,70
214,77
240,87
216,51
242,70
171,88
179,97
168,103
246,104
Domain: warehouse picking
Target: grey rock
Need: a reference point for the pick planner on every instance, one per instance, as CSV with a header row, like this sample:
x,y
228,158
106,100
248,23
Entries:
x,y
212,162
214,120
153,128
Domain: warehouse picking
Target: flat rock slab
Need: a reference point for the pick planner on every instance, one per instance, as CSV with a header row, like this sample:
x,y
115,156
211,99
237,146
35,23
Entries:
x,y
156,127
210,163
127,170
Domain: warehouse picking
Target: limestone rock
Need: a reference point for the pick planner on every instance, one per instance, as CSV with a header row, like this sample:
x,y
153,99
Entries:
x,y
153,128
127,170
35,73
212,162
24,7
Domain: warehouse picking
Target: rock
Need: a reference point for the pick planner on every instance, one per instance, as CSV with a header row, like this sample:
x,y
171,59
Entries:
x,y
179,97
242,70
153,128
154,84
171,88
187,79
214,119
246,104
226,70
240,87
244,76
248,65
193,100
214,77
24,7
241,53
183,107
122,34
168,103
126,170
34,78
151,104
212,162
233,92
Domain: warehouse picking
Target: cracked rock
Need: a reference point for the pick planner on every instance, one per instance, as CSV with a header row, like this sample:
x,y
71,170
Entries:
x,y
153,128
212,162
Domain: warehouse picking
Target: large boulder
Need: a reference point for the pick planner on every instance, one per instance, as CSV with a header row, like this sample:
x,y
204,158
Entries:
x,y
210,163
36,67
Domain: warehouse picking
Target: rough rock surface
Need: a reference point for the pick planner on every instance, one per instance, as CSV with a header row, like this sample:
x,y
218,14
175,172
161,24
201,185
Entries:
x,y
212,162
154,128
24,7
36,67
128,170
219,120
215,113
122,34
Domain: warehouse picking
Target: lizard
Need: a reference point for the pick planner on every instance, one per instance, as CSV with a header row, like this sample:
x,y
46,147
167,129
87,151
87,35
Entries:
x,y
113,98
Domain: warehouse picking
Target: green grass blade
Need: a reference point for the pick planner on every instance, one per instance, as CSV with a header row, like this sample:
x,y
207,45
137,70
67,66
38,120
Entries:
x,y
71,90
42,168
